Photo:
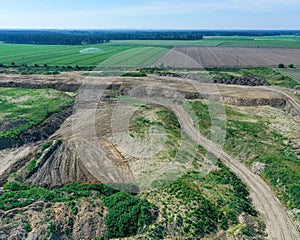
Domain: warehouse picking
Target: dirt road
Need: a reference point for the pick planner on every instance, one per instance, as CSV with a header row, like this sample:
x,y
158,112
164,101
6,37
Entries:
x,y
279,225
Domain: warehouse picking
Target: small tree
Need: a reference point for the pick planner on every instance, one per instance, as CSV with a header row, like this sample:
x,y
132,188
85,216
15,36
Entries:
x,y
291,65
280,65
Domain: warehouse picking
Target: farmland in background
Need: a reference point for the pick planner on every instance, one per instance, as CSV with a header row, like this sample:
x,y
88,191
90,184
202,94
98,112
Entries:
x,y
170,43
57,54
215,51
229,57
137,57
228,41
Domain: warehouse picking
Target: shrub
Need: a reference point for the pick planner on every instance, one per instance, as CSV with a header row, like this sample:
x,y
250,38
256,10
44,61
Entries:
x,y
127,215
291,65
281,65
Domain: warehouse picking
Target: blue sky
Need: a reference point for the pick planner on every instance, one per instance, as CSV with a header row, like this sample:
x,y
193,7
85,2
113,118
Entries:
x,y
141,14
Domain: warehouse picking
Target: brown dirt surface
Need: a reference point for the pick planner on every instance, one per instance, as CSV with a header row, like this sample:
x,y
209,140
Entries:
x,y
277,220
197,57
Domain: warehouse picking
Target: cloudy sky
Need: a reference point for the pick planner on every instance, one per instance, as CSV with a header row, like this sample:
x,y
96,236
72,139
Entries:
x,y
151,14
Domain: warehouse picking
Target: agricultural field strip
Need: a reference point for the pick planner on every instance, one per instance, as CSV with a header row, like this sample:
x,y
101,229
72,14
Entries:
x,y
135,57
85,59
213,57
228,41
128,56
261,44
56,55
35,52
168,43
43,55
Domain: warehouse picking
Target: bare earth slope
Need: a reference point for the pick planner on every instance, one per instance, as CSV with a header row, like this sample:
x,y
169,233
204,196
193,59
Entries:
x,y
278,223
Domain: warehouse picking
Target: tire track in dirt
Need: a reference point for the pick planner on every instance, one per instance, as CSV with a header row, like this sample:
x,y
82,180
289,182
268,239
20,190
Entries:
x,y
278,223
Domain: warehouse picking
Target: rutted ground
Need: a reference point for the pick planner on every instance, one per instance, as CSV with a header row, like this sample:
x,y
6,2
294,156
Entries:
x,y
54,167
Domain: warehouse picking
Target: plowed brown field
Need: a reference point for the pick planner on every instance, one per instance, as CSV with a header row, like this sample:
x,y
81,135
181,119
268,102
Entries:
x,y
229,57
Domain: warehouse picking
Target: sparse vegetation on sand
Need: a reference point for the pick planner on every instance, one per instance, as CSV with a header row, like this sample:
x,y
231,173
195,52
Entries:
x,y
250,139
197,205
22,109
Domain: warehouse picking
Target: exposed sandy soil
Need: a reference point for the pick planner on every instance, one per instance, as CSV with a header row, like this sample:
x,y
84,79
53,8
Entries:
x,y
110,164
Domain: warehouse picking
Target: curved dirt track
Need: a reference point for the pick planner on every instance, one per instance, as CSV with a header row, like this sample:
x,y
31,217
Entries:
x,y
279,225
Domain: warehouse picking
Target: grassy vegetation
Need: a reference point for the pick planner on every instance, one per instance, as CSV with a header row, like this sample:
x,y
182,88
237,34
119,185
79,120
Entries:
x,y
197,205
22,109
253,141
127,214
134,74
125,53
270,75
25,69
293,73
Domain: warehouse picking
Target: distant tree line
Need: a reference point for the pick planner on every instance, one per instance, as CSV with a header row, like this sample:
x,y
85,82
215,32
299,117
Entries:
x,y
63,37
51,38
78,37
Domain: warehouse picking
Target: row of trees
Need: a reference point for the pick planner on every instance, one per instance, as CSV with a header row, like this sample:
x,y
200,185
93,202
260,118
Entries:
x,y
91,37
68,37
52,38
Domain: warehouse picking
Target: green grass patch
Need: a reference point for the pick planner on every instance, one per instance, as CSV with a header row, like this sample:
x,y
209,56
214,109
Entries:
x,y
198,205
22,109
259,42
127,214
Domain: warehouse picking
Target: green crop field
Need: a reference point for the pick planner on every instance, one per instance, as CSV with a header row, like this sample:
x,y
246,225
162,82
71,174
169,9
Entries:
x,y
58,54
169,43
130,53
228,41
259,42
137,57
